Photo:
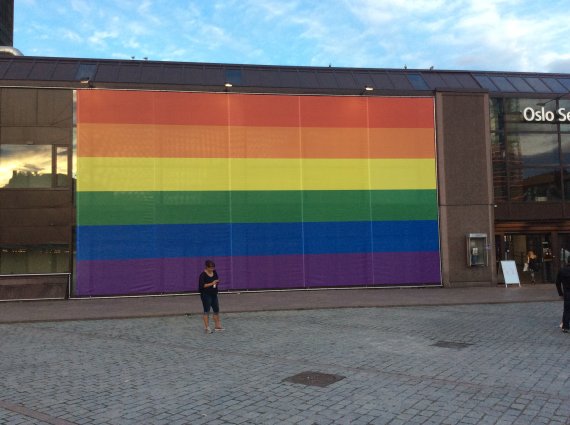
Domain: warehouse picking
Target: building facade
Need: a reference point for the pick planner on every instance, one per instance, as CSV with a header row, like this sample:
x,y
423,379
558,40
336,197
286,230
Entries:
x,y
122,177
6,22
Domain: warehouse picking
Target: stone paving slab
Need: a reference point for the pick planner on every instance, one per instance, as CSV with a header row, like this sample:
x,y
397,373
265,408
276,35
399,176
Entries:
x,y
513,368
162,306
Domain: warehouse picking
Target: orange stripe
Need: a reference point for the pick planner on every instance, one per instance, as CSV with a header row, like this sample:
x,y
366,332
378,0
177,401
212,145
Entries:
x,y
402,143
172,108
174,141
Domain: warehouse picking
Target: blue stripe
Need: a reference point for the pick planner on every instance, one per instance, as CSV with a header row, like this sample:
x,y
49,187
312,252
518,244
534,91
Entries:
x,y
245,239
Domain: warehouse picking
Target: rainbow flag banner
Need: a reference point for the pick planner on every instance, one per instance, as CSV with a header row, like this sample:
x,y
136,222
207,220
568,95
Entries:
x,y
280,191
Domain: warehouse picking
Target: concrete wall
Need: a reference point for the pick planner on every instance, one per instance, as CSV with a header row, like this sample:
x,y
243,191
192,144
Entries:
x,y
465,184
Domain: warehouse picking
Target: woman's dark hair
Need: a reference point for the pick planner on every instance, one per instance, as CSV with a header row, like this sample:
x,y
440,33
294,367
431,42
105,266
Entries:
x,y
210,263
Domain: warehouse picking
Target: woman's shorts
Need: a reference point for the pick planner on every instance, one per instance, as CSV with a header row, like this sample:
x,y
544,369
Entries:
x,y
208,301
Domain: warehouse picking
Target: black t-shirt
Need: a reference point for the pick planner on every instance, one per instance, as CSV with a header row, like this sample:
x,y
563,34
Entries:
x,y
204,278
532,264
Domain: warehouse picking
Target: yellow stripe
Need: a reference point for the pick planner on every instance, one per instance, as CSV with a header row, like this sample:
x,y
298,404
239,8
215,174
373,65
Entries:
x,y
213,174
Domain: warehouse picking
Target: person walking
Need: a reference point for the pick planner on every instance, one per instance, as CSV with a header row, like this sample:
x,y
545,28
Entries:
x,y
563,288
532,261
208,285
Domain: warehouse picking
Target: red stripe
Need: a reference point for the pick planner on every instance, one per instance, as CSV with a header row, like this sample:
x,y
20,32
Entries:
x,y
174,108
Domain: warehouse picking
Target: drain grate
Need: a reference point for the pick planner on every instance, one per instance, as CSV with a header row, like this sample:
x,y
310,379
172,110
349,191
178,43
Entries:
x,y
315,379
451,344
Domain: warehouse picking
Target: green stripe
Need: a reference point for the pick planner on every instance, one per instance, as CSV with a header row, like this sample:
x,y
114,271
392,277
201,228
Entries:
x,y
116,208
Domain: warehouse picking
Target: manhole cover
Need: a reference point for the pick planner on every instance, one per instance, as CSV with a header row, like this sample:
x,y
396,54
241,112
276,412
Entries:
x,y
451,344
315,379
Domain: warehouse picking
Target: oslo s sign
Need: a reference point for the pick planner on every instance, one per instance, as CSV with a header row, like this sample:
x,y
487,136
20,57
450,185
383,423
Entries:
x,y
542,115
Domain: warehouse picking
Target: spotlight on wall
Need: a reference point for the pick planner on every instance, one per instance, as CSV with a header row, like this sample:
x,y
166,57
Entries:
x,y
86,82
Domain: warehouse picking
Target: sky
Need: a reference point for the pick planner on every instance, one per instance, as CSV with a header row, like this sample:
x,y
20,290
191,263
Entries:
x,y
492,35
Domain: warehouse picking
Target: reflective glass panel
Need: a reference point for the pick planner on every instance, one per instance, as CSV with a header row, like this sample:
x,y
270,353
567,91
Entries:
x,y
565,143
566,184
538,85
554,85
34,259
25,166
565,104
502,83
520,84
62,169
497,113
533,149
565,82
499,166
514,114
485,82
418,82
539,184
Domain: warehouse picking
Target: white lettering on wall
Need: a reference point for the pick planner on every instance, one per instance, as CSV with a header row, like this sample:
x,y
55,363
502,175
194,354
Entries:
x,y
542,115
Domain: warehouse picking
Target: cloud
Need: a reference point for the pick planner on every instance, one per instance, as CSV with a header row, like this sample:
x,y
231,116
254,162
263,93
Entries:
x,y
99,37
521,35
72,36
81,6
561,65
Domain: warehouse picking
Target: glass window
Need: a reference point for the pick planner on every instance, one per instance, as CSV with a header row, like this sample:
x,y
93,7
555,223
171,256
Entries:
x,y
520,84
25,166
485,82
499,166
40,259
86,72
566,176
565,143
502,83
565,82
62,168
539,184
233,76
33,166
497,113
498,147
418,82
533,149
554,85
565,103
538,85
514,114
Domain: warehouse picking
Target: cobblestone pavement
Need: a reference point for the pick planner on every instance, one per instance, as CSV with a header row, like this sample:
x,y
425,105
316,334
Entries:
x,y
471,364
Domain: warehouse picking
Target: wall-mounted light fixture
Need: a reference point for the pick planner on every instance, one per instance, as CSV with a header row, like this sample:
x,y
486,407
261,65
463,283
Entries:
x,y
86,82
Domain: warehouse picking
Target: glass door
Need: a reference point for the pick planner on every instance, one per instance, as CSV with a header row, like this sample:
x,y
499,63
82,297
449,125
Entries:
x,y
517,248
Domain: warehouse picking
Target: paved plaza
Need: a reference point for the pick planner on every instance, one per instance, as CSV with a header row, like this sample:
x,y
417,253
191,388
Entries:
x,y
454,364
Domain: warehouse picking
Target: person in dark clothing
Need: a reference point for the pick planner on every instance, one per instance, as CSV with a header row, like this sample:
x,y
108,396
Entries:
x,y
208,286
563,288
532,261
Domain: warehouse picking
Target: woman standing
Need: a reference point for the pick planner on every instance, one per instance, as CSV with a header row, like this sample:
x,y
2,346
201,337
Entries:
x,y
208,285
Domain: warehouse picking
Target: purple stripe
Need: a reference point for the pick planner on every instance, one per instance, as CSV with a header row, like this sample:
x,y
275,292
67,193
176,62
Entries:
x,y
169,275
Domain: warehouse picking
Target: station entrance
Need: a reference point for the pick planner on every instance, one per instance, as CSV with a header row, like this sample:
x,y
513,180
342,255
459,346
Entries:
x,y
552,251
